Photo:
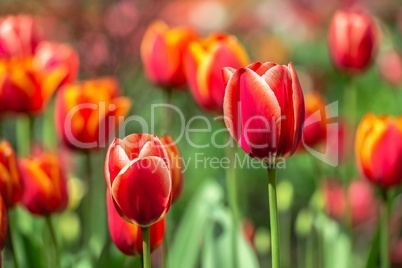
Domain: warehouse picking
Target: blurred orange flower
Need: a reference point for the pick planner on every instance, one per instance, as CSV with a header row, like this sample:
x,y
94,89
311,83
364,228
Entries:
x,y
314,129
10,178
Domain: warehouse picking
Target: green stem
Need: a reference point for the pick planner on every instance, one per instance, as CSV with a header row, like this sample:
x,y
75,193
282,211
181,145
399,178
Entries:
x,y
273,216
11,240
309,251
48,135
167,113
384,217
87,206
25,129
53,237
146,248
232,200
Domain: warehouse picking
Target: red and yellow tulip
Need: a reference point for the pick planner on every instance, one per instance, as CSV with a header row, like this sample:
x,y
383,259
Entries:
x,y
10,178
314,129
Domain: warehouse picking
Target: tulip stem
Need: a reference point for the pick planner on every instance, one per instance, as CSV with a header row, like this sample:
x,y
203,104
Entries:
x,y
88,200
25,127
385,212
146,248
273,216
11,238
52,233
167,115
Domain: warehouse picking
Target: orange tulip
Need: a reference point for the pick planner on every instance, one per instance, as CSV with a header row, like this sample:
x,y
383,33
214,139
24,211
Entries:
x,y
58,59
10,179
45,185
87,112
176,166
378,149
204,62
162,50
128,236
314,129
19,36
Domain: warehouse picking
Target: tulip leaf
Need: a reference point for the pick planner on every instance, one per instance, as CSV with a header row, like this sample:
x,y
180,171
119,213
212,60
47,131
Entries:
x,y
184,251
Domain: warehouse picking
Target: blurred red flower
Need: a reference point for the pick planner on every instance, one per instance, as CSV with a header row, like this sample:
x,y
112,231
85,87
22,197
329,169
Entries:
x,y
10,178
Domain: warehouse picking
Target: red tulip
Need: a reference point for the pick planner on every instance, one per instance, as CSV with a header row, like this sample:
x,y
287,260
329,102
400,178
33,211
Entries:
x,y
315,125
264,109
10,178
88,112
204,62
3,224
128,236
352,40
162,51
18,36
58,59
137,171
358,198
176,166
45,185
378,149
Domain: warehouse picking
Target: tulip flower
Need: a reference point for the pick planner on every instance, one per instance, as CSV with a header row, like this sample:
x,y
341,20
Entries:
x,y
57,59
45,184
3,224
378,149
358,200
128,236
19,36
390,66
87,112
137,172
176,166
264,109
352,40
314,129
162,51
10,179
204,62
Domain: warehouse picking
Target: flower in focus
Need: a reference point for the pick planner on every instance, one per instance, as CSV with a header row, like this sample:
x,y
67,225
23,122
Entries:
x,y
10,178
45,190
315,126
176,166
137,172
3,224
204,62
378,149
162,52
128,236
87,112
19,36
264,109
352,40
358,197
59,60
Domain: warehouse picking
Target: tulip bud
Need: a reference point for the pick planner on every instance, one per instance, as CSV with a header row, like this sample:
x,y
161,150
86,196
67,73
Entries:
x,y
315,128
390,66
176,166
88,112
3,224
162,51
137,172
18,36
45,185
378,149
264,109
352,40
204,62
59,60
10,179
128,236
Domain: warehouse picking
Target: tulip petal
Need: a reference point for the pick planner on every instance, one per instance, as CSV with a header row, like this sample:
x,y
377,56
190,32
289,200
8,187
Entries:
x,y
227,72
116,160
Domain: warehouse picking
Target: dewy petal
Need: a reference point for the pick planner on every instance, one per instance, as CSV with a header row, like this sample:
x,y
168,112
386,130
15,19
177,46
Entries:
x,y
260,113
116,159
143,191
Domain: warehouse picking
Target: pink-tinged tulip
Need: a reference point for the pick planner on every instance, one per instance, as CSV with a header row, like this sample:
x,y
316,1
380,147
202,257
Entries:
x,y
176,166
162,52
58,59
88,112
128,236
3,224
204,62
45,189
23,87
390,66
264,109
352,40
137,172
10,178
358,200
315,125
19,36
378,149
